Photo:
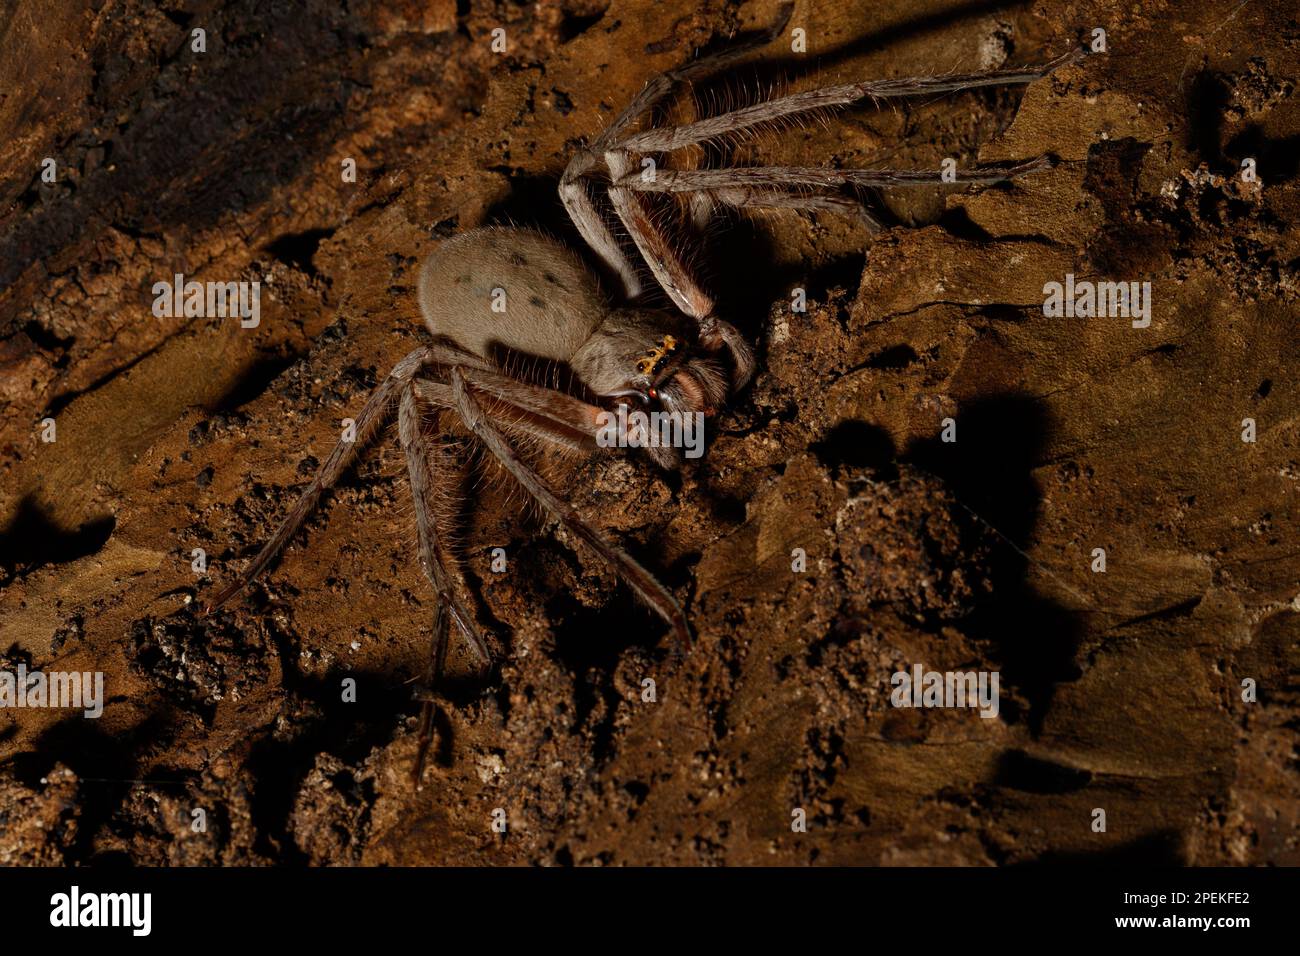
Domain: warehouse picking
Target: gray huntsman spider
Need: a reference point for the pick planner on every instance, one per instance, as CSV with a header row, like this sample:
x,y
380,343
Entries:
x,y
686,360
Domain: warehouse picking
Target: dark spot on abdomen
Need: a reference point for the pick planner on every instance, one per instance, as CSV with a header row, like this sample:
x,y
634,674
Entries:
x,y
517,260
536,300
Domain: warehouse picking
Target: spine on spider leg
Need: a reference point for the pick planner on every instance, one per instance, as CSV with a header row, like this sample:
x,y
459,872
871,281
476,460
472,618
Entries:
x,y
761,136
446,469
840,95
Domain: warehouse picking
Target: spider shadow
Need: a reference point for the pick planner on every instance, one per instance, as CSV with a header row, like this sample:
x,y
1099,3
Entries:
x,y
744,294
533,202
106,766
989,470
32,538
1208,98
348,732
1162,848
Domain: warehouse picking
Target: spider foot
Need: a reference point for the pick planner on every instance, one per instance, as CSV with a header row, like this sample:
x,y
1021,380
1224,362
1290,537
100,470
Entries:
x,y
717,334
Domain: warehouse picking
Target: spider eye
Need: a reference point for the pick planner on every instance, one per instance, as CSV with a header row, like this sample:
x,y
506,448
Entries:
x,y
654,393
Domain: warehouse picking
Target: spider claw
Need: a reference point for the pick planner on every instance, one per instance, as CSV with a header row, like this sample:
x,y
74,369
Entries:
x,y
470,632
422,746
682,644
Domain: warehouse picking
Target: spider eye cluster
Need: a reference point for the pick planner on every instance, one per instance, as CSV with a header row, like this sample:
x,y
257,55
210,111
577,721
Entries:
x,y
654,360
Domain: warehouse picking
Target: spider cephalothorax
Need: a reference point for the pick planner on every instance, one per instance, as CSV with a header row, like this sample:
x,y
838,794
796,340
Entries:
x,y
509,290
616,363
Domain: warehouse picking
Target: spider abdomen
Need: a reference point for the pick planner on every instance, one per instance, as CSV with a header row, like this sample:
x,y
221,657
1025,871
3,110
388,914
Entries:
x,y
514,288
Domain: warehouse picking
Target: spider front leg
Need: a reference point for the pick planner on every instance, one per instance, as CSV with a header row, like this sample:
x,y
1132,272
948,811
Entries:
x,y
753,179
775,187
574,192
675,276
807,187
661,140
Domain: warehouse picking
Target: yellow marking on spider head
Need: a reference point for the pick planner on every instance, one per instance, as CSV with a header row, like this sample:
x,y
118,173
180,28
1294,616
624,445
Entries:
x,y
654,360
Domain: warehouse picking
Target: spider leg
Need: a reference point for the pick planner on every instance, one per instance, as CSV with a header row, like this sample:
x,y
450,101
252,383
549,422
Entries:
x,y
644,584
672,272
746,197
654,92
787,187
677,181
526,410
573,187
674,137
371,415
429,701
422,461
543,412
521,408
599,237
551,414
